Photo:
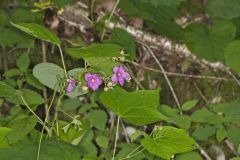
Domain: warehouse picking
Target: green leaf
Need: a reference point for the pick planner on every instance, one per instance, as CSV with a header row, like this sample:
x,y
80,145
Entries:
x,y
23,62
126,149
125,40
204,132
226,9
96,50
102,65
86,146
167,141
21,127
221,134
62,3
31,80
3,137
205,116
48,74
50,150
189,156
12,73
38,31
182,121
232,55
233,135
209,43
6,90
235,158
189,105
32,97
98,119
138,108
157,15
102,141
70,104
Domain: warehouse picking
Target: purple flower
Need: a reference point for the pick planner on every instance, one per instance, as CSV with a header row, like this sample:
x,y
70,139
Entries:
x,y
93,81
120,75
71,85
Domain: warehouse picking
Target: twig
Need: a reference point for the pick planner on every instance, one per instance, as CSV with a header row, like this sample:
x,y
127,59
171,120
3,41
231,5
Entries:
x,y
135,79
204,153
180,74
165,75
125,131
110,17
200,92
233,76
44,59
231,147
116,139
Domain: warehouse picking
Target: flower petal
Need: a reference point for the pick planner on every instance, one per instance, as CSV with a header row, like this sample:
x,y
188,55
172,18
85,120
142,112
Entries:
x,y
70,87
115,69
126,76
121,81
88,77
94,86
121,69
114,78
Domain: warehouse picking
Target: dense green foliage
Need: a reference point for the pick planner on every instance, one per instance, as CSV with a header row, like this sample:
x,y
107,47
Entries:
x,y
50,110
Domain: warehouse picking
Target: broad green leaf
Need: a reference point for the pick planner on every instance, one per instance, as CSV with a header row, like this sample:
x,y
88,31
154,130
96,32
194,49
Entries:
x,y
205,116
209,43
138,108
157,15
3,137
168,141
33,81
204,132
168,111
49,74
189,105
23,62
38,31
12,73
233,135
229,109
21,127
226,9
6,90
102,141
50,150
182,121
86,147
125,40
98,119
96,50
70,104
221,134
32,97
102,65
235,158
11,37
232,55
189,156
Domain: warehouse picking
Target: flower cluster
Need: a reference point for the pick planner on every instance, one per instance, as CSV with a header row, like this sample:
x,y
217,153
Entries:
x,y
94,81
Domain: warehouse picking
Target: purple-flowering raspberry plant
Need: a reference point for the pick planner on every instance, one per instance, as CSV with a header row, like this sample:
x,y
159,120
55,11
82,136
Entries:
x,y
120,75
93,81
71,85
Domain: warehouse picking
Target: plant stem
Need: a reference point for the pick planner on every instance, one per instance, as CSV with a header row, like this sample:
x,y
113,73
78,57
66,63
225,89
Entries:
x,y
110,17
116,138
25,103
63,63
44,125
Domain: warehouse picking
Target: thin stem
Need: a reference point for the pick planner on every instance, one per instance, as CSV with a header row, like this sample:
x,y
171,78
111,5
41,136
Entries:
x,y
116,138
165,76
63,63
133,155
25,103
44,124
110,17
